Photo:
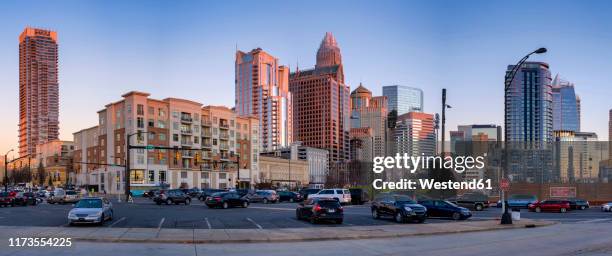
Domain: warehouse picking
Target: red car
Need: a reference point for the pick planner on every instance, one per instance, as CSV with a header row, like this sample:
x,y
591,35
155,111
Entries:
x,y
550,206
7,199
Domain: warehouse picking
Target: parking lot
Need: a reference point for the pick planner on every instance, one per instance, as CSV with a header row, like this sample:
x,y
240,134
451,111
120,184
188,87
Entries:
x,y
143,213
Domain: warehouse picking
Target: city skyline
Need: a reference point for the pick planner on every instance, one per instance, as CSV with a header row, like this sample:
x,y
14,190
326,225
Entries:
x,y
410,51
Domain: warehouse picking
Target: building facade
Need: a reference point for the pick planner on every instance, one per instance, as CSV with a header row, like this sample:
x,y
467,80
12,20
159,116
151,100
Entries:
x,y
404,99
38,89
566,106
370,112
55,158
284,173
262,90
529,117
415,134
317,159
321,107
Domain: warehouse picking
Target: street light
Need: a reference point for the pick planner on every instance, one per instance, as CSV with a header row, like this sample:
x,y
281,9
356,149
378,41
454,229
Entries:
x,y
506,218
5,170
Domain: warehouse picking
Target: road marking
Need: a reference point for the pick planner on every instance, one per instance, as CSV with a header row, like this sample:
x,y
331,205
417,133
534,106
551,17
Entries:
x,y
593,221
207,223
254,223
117,221
161,223
272,208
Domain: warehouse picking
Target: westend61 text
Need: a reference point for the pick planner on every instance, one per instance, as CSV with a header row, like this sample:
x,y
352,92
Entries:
x,y
407,184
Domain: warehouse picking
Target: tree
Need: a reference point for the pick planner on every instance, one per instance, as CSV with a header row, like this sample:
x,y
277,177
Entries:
x,y
50,181
41,174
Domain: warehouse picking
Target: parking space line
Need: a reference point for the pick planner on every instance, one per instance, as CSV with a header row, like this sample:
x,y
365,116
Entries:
x,y
117,221
271,208
254,223
593,221
161,222
207,223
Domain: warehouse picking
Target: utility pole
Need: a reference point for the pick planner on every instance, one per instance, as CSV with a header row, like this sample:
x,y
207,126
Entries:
x,y
443,120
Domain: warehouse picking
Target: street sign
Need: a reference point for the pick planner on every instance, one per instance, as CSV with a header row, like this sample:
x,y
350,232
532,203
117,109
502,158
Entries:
x,y
504,184
150,147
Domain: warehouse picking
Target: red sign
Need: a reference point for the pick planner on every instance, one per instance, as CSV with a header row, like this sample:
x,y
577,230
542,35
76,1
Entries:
x,y
504,184
564,192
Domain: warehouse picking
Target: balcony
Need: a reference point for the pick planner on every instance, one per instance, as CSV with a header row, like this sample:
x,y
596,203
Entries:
x,y
206,134
224,136
186,119
206,144
186,142
224,147
206,122
186,131
224,126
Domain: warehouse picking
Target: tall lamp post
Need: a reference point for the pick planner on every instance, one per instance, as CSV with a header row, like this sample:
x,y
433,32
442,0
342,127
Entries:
x,y
506,218
5,170
444,107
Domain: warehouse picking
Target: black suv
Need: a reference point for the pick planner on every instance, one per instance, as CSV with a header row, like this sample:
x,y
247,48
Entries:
x,y
172,196
400,207
578,204
317,209
208,192
445,209
289,196
225,200
476,201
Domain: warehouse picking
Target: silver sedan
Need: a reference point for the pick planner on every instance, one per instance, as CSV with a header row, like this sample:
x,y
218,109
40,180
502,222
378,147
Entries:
x,y
91,210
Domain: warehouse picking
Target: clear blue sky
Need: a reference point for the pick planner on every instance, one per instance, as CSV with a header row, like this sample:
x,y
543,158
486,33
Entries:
x,y
186,49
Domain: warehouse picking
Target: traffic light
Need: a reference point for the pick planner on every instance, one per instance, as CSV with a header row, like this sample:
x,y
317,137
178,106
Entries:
x,y
160,156
177,155
197,157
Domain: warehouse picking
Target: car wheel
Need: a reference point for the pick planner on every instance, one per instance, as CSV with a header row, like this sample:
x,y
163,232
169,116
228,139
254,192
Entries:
x,y
102,219
479,207
188,201
582,207
225,205
375,214
168,202
456,216
265,200
245,204
538,209
563,210
398,217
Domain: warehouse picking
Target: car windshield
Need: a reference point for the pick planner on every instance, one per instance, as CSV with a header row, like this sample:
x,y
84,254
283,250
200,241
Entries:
x,y
218,194
451,203
329,203
89,203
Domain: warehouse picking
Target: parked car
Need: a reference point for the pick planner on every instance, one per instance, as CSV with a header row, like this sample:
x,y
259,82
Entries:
x,y
172,196
91,210
472,200
578,204
318,209
445,209
550,206
308,191
151,193
61,196
607,207
193,192
342,195
242,192
520,201
263,196
225,200
6,199
288,196
401,208
25,198
208,192
358,196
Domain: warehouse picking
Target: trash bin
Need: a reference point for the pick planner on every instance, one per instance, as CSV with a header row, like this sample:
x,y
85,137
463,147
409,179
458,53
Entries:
x,y
516,214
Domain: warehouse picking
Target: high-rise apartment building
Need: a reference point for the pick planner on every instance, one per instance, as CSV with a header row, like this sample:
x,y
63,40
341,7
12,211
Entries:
x,y
38,89
529,111
404,99
198,146
566,106
262,90
321,107
368,111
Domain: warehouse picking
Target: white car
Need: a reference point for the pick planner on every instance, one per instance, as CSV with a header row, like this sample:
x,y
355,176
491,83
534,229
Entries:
x,y
91,210
607,207
342,195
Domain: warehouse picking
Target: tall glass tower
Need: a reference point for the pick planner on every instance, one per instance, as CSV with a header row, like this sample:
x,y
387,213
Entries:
x,y
566,108
404,99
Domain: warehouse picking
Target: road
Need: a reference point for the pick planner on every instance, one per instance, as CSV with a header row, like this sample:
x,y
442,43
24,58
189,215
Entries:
x,y
145,214
561,239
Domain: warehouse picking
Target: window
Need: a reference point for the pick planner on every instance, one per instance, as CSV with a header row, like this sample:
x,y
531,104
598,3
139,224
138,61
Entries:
x,y
137,176
162,176
140,109
204,175
175,137
162,136
151,123
161,124
222,176
151,176
183,175
214,142
215,120
151,111
327,192
151,136
140,159
196,140
175,114
140,122
175,125
231,123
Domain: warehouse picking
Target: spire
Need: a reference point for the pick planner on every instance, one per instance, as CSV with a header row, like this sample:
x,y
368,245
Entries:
x,y
329,52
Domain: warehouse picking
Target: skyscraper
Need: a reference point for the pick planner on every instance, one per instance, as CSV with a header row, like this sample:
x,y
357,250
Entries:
x,y
370,112
566,106
38,89
415,134
529,112
321,103
404,99
262,90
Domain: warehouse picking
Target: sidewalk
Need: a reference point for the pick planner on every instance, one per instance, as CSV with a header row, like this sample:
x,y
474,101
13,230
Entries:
x,y
153,235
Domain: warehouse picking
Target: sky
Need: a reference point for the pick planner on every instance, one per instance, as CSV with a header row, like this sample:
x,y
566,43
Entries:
x,y
186,49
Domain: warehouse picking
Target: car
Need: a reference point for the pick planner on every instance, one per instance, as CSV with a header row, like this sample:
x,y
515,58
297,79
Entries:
x,y
342,195
578,204
172,196
318,209
521,201
242,192
91,210
358,196
445,209
226,200
401,208
308,191
61,196
151,193
550,206
25,198
6,199
192,192
288,196
607,207
472,200
263,196
208,192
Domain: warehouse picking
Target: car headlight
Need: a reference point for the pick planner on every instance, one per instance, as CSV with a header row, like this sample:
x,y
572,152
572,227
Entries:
x,y
408,209
98,214
71,215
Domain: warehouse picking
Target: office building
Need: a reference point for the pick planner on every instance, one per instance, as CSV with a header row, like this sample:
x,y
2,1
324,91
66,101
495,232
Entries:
x,y
370,112
566,106
403,99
